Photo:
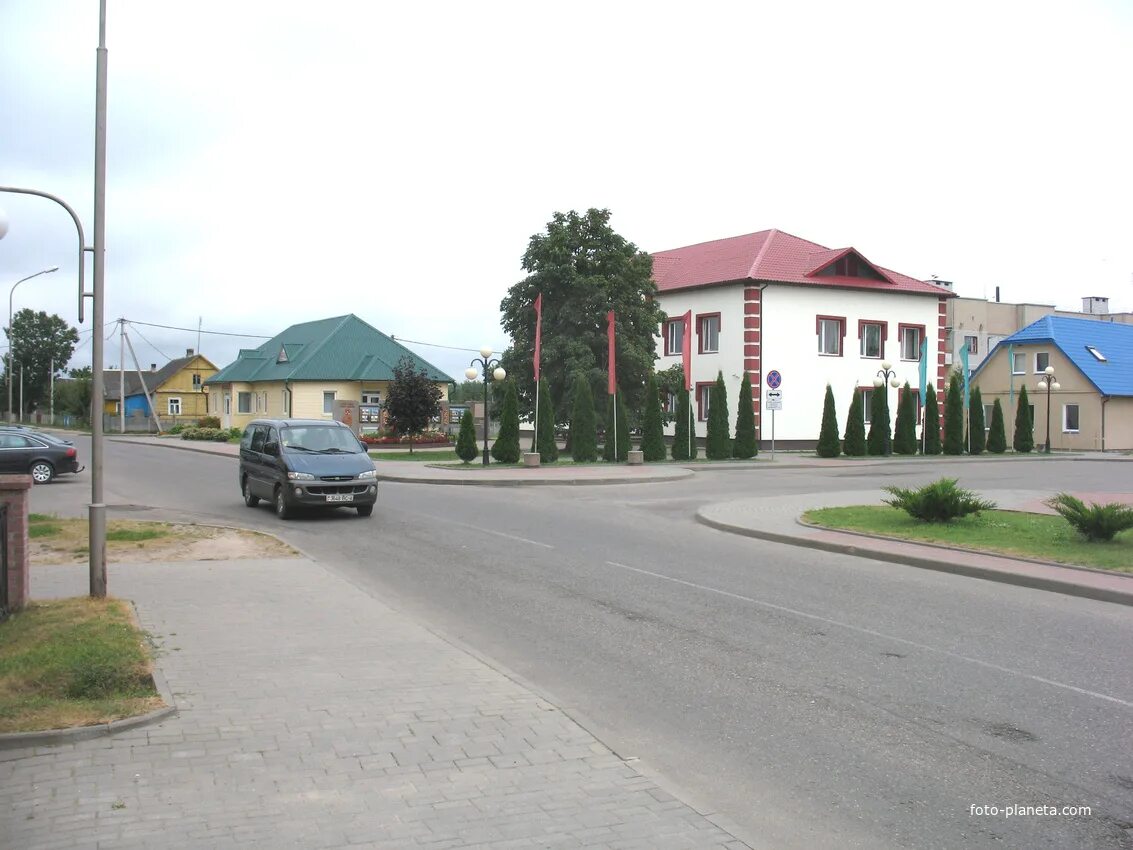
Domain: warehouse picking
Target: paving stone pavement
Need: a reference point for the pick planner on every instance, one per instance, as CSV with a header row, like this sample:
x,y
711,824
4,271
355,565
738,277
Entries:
x,y
312,715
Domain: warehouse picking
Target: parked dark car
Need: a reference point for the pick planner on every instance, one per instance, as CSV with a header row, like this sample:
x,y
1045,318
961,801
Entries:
x,y
306,462
41,455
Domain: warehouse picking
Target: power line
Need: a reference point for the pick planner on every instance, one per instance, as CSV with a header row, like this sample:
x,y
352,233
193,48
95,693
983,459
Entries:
x,y
434,344
196,330
150,344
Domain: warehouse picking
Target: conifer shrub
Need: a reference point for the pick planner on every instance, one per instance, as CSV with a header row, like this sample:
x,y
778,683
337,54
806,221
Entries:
x,y
1097,523
905,432
652,426
879,439
684,440
977,435
745,445
583,427
997,435
1024,438
719,443
940,501
506,447
828,443
466,438
621,429
853,444
954,417
545,440
931,427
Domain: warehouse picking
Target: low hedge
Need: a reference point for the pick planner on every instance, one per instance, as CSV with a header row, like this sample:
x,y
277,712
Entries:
x,y
212,435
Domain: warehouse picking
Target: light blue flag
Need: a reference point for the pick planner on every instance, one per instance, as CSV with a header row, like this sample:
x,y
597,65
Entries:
x,y
924,368
964,364
1011,370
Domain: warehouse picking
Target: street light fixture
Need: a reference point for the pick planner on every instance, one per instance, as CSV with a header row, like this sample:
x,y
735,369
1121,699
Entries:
x,y
491,366
886,375
3,230
1048,382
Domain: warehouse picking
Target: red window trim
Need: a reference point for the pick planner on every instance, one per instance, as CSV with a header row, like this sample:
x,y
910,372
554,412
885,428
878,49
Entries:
x,y
700,339
901,341
701,415
884,336
665,333
841,320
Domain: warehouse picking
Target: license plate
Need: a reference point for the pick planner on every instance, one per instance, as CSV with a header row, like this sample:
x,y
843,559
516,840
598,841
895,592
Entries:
x,y
340,497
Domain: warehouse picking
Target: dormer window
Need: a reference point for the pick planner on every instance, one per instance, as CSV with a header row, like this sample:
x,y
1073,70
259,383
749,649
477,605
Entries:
x,y
1097,354
851,264
282,358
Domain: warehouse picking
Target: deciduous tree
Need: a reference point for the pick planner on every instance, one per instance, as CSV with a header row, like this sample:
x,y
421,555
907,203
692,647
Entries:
x,y
412,400
38,342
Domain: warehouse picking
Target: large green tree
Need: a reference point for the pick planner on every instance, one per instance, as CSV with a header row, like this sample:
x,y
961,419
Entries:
x,y
745,445
653,432
718,445
583,269
977,436
506,447
72,396
412,400
828,443
854,445
583,427
1024,439
37,342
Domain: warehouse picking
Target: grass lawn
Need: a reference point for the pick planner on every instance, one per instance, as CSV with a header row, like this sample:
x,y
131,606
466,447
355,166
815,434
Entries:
x,y
73,662
1047,538
433,455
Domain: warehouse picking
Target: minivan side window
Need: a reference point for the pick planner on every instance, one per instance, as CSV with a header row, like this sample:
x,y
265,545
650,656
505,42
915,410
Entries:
x,y
258,438
246,440
273,436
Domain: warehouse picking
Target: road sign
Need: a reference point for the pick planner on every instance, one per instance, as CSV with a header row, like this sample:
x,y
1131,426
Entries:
x,y
774,399
774,379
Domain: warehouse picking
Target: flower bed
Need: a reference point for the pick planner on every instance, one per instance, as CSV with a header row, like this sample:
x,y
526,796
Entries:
x,y
426,438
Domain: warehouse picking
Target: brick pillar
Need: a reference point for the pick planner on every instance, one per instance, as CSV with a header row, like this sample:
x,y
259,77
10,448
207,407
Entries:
x,y
753,321
15,492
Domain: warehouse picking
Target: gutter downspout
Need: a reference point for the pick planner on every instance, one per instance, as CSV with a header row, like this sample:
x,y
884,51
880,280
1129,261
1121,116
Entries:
x,y
287,388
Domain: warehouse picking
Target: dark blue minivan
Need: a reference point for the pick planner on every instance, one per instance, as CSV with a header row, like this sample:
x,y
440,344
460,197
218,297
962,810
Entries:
x,y
306,462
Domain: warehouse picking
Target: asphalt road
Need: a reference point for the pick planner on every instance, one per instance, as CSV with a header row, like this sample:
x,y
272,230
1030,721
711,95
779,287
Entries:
x,y
818,700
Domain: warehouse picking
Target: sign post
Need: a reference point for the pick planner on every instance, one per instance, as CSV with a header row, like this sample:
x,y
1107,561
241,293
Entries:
x,y
774,401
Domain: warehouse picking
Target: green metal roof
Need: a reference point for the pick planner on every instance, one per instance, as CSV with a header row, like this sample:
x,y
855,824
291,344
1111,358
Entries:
x,y
342,348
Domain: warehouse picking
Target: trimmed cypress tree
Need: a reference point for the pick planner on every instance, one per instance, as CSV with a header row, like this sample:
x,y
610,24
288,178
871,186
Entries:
x,y
681,441
466,440
545,440
997,436
905,431
583,428
931,422
719,444
1024,440
744,446
879,441
853,445
828,443
977,436
652,427
954,417
622,429
506,447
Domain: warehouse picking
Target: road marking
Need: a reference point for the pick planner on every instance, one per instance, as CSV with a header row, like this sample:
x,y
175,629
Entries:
x,y
497,533
872,633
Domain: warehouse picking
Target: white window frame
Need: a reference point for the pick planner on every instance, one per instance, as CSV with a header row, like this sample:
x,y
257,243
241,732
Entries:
x,y
865,334
328,409
174,402
867,403
228,404
988,410
1066,429
709,329
196,380
1039,354
972,343
1019,364
676,337
836,324
916,335
703,402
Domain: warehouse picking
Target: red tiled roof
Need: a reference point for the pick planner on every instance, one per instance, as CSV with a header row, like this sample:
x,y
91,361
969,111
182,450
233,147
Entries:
x,y
770,255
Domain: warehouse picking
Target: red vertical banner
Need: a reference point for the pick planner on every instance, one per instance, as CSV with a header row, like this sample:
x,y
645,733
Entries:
x,y
686,350
538,331
612,381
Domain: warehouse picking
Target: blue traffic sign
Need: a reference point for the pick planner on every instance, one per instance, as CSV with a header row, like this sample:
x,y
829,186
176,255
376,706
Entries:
x,y
774,379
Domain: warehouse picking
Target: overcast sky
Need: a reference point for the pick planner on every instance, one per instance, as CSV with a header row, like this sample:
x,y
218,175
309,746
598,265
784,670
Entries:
x,y
274,162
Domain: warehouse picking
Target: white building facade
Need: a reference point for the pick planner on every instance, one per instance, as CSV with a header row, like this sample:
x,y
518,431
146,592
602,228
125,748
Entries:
x,y
814,328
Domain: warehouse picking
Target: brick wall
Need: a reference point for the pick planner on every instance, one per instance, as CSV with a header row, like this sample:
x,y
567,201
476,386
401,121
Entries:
x,y
15,491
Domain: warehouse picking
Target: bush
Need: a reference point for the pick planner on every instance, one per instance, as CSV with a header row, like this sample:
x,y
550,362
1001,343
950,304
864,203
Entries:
x,y
879,441
745,445
653,434
1096,523
208,422
931,427
545,440
506,447
977,435
940,501
854,442
954,417
997,436
684,440
212,435
905,431
828,442
176,429
583,428
466,440
1024,440
718,446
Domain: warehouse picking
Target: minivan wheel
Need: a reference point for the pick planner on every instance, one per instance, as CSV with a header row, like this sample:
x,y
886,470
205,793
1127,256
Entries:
x,y
42,472
282,510
365,510
249,500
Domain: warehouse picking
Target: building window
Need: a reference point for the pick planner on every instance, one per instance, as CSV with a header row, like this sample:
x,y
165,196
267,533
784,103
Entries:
x,y
328,401
1070,418
286,401
1018,364
174,407
830,331
1097,354
911,336
867,404
871,336
988,410
669,402
243,402
708,333
674,336
703,397
196,380
972,343
227,404
1042,360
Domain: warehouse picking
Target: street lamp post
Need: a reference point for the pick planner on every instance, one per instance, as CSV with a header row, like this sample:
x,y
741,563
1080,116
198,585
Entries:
x,y
491,366
1048,382
10,294
886,375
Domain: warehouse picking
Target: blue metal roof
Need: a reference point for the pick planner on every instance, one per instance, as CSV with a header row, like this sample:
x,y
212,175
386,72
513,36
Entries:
x,y
1075,337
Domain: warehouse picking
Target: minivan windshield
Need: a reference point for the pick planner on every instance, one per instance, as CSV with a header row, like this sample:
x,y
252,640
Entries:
x,y
321,439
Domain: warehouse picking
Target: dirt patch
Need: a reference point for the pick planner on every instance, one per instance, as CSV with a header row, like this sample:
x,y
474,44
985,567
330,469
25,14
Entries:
x,y
65,541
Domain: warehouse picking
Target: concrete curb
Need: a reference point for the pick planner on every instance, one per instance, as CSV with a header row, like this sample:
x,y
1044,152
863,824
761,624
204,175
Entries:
x,y
1067,588
530,482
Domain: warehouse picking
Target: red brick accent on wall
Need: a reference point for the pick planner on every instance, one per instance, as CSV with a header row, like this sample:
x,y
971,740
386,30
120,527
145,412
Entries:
x,y
753,354
942,341
14,492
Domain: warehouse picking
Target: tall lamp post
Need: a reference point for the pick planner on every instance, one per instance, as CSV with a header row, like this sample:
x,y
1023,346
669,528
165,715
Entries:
x,y
491,366
886,375
1048,382
10,294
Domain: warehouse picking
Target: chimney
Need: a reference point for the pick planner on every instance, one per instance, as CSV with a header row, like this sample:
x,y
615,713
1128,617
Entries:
x,y
153,367
189,352
997,295
947,284
1095,305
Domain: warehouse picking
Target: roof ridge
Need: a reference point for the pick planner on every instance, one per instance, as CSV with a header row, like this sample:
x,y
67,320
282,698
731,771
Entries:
x,y
306,354
714,241
771,234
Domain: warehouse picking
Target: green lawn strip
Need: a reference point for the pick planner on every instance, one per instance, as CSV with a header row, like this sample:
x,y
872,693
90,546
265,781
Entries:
x,y
72,662
135,534
1039,536
421,455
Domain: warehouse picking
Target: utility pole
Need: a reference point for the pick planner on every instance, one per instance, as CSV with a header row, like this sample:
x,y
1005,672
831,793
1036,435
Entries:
x,y
51,395
121,376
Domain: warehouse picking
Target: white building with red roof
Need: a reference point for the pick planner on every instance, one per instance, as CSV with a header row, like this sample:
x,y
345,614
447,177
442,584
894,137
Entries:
x,y
772,301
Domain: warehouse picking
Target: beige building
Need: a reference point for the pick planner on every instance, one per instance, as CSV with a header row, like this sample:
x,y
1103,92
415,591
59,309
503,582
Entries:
x,y
1091,394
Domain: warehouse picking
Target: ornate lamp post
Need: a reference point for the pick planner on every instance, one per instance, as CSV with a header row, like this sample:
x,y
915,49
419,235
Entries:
x,y
886,375
1048,382
491,366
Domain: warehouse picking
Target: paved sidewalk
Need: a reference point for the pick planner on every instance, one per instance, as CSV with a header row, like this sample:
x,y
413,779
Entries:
x,y
775,519
312,715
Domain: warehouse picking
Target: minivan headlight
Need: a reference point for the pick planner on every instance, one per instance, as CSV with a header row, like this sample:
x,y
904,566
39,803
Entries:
x,y
369,473
300,476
